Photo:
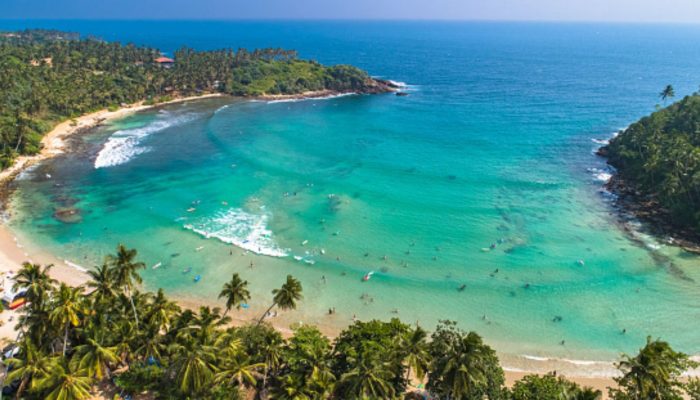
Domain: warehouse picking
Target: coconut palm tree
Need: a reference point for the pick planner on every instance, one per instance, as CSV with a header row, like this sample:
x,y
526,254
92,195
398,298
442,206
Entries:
x,y
369,379
94,358
464,367
285,297
102,284
667,93
237,368
36,280
32,365
236,293
65,383
414,346
67,307
193,363
161,311
125,272
654,373
272,349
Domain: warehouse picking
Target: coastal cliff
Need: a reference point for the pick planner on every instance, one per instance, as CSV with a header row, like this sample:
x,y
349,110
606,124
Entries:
x,y
658,170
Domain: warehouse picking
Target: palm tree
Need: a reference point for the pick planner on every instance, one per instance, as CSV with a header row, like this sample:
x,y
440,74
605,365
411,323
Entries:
x,y
161,310
65,383
237,367
193,363
33,365
464,367
236,292
368,380
415,347
67,308
94,358
667,93
285,297
36,280
654,373
272,348
102,283
125,272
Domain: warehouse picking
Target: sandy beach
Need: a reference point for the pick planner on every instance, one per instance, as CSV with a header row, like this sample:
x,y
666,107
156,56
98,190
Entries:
x,y
13,252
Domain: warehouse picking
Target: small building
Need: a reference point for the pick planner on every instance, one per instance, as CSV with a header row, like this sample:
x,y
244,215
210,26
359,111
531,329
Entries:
x,y
165,62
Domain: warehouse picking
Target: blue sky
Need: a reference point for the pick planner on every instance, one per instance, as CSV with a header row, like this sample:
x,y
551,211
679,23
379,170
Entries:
x,y
528,10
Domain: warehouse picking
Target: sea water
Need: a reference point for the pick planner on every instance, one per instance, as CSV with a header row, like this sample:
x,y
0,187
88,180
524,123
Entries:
x,y
477,198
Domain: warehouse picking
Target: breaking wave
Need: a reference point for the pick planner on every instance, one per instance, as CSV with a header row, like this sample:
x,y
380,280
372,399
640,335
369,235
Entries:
x,y
125,144
239,228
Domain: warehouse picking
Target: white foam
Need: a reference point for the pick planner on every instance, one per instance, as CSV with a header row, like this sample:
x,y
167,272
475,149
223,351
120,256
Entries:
x,y
76,266
125,144
295,100
222,108
239,228
602,175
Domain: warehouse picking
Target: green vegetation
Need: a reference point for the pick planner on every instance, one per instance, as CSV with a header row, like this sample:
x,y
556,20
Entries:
x,y
109,331
50,76
659,156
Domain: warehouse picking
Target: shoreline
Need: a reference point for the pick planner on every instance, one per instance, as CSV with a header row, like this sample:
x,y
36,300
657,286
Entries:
x,y
631,203
12,253
54,142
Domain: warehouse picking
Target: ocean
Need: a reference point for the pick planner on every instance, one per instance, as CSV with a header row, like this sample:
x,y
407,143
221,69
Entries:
x,y
477,198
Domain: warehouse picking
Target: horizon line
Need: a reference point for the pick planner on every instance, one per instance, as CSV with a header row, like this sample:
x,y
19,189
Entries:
x,y
413,20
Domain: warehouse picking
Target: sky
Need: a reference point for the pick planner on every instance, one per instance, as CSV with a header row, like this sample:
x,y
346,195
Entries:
x,y
687,11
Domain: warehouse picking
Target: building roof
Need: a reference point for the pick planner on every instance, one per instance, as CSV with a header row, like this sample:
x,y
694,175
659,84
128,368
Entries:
x,y
164,60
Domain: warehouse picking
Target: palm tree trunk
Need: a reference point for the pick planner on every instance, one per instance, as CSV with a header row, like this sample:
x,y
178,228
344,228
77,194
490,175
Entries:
x,y
266,312
21,388
133,307
65,339
265,378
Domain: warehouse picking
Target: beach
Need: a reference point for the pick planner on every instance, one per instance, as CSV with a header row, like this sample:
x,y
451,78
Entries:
x,y
13,252
12,255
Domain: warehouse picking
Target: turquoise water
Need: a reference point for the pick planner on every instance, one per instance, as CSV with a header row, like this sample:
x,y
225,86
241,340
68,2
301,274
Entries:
x,y
484,177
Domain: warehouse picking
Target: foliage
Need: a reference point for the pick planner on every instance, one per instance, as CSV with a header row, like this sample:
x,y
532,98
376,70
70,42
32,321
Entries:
x,y
49,76
549,387
463,366
660,156
74,339
654,373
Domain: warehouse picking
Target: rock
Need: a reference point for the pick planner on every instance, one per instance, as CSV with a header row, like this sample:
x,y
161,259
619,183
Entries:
x,y
68,215
401,94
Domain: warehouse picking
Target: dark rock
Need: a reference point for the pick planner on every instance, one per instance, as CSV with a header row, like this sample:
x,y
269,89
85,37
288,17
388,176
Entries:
x,y
68,215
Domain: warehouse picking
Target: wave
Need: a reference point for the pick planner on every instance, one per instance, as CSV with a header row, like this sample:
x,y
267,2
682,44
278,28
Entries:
x,y
76,266
222,108
125,144
602,175
296,100
239,228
